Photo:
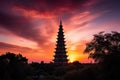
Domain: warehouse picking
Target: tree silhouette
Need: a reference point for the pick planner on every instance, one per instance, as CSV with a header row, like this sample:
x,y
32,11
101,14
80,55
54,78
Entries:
x,y
14,67
104,47
12,58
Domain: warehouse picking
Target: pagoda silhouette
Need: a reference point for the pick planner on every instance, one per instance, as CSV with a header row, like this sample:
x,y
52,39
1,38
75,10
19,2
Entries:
x,y
60,57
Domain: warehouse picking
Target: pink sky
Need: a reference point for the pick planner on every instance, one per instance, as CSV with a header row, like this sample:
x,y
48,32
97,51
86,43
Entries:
x,y
30,27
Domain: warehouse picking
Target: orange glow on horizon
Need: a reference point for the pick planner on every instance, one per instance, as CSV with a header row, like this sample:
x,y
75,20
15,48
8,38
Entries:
x,y
72,58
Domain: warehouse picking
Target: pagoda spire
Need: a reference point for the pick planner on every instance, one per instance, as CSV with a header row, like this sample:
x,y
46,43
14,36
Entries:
x,y
60,57
60,22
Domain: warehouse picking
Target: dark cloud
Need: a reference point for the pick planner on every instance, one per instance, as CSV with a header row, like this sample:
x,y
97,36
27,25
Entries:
x,y
27,52
111,5
53,7
5,47
22,26
18,24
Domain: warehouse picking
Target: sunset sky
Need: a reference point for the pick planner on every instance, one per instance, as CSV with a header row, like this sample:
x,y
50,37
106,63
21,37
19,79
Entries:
x,y
30,27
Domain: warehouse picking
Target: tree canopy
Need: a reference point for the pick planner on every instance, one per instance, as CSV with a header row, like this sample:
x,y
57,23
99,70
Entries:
x,y
12,58
103,46
14,67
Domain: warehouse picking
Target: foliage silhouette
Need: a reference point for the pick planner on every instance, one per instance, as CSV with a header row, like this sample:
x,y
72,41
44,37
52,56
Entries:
x,y
104,47
14,67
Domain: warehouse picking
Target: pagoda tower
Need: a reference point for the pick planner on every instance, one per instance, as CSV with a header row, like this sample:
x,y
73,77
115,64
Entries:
x,y
60,57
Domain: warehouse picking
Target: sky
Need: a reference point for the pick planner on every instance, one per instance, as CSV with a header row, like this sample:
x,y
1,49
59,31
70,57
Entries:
x,y
30,27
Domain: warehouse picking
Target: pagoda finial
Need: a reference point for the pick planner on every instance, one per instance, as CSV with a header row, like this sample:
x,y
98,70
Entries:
x,y
60,22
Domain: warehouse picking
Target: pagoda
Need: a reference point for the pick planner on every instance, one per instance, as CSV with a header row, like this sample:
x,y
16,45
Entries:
x,y
60,57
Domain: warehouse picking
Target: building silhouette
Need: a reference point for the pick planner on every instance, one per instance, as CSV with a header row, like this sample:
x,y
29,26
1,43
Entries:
x,y
60,57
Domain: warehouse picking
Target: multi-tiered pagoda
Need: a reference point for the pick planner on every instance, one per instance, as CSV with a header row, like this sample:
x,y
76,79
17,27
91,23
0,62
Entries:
x,y
60,57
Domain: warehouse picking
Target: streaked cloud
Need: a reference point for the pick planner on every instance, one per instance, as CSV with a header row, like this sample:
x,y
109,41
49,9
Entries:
x,y
31,26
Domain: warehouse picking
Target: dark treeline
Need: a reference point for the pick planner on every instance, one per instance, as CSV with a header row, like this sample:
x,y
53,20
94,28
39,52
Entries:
x,y
104,49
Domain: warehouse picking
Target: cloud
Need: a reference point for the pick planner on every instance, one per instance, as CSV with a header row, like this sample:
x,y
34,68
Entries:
x,y
54,7
24,26
31,54
21,26
37,20
17,49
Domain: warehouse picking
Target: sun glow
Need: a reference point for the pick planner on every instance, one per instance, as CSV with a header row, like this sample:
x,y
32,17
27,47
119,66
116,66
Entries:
x,y
72,58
